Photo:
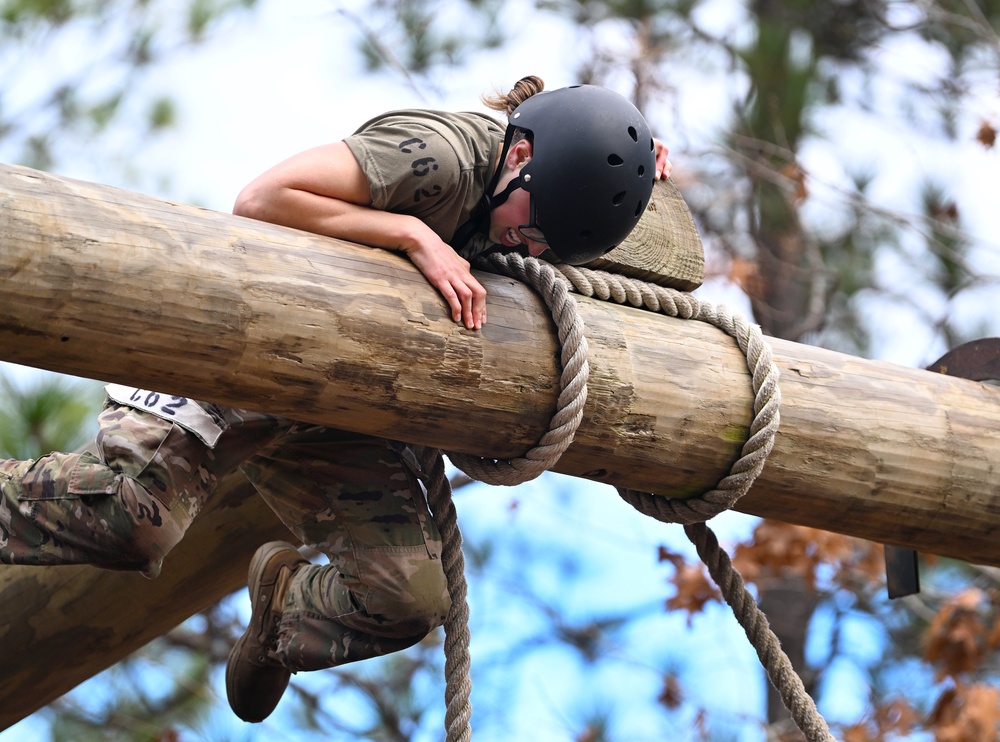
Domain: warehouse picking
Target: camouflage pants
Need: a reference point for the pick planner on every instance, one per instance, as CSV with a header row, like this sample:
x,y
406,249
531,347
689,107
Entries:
x,y
354,498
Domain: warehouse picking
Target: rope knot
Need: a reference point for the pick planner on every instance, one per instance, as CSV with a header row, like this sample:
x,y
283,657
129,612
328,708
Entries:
x,y
553,283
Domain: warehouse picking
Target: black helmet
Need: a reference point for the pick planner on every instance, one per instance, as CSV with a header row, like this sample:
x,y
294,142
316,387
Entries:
x,y
592,168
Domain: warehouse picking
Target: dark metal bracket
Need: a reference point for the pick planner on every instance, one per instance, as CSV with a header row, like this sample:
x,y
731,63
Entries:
x,y
978,360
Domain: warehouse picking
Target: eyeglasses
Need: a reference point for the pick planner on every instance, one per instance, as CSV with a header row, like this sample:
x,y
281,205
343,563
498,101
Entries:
x,y
531,230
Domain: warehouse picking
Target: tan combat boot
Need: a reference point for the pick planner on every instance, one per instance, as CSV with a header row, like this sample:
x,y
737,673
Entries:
x,y
255,681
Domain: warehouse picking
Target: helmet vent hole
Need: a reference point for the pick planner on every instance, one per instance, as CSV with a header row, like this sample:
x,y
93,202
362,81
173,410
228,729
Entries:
x,y
634,134
638,209
614,160
642,170
618,198
652,146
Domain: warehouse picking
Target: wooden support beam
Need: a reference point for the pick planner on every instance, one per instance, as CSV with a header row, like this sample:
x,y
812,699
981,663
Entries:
x,y
103,283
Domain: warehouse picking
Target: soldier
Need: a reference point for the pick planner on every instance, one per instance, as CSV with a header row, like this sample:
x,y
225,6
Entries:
x,y
567,178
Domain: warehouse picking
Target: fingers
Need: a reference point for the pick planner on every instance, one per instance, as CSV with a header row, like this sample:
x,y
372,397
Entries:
x,y
663,166
451,275
467,301
664,170
465,295
471,303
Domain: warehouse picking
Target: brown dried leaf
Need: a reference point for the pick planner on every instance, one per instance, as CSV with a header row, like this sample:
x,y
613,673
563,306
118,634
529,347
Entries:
x,y
946,212
671,694
983,712
944,713
693,590
776,549
700,724
663,554
966,714
956,640
889,721
993,637
987,135
797,175
859,732
897,717
782,549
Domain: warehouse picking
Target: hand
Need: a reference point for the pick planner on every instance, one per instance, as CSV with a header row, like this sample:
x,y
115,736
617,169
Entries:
x,y
450,274
663,166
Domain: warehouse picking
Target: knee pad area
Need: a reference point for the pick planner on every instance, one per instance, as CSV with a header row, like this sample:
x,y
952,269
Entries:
x,y
415,604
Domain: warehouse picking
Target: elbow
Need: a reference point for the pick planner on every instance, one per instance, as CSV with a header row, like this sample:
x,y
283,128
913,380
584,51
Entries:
x,y
249,203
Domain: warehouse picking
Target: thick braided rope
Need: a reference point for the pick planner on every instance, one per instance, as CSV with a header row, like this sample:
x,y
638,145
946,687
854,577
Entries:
x,y
694,511
458,662
764,380
573,395
562,428
774,660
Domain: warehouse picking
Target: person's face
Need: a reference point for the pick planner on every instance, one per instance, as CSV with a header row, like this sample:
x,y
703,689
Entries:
x,y
506,218
516,210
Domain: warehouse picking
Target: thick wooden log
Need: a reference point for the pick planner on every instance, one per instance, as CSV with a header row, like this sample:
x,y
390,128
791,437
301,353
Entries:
x,y
103,283
107,284
63,625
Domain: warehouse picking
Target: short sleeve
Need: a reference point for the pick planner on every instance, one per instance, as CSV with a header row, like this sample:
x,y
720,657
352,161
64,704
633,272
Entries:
x,y
427,164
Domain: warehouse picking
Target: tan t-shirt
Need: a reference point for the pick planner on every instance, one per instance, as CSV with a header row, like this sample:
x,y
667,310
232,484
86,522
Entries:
x,y
433,165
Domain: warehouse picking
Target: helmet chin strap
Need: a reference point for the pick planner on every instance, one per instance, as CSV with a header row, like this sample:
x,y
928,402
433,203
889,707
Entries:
x,y
500,198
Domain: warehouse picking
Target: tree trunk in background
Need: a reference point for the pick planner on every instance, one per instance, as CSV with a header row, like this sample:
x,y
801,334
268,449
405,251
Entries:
x,y
786,292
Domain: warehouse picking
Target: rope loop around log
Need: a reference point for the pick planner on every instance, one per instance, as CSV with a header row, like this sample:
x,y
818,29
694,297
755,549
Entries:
x,y
764,381
552,283
573,395
691,512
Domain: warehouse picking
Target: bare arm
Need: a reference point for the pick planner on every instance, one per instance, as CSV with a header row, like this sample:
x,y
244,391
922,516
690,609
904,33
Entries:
x,y
324,190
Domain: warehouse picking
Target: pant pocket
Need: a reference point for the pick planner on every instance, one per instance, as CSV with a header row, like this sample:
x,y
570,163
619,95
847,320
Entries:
x,y
158,455
67,476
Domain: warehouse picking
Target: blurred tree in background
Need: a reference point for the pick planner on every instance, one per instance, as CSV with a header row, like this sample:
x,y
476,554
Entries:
x,y
53,414
789,190
74,75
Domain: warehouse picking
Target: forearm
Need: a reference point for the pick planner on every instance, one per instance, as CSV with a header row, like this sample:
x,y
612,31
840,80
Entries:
x,y
332,217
